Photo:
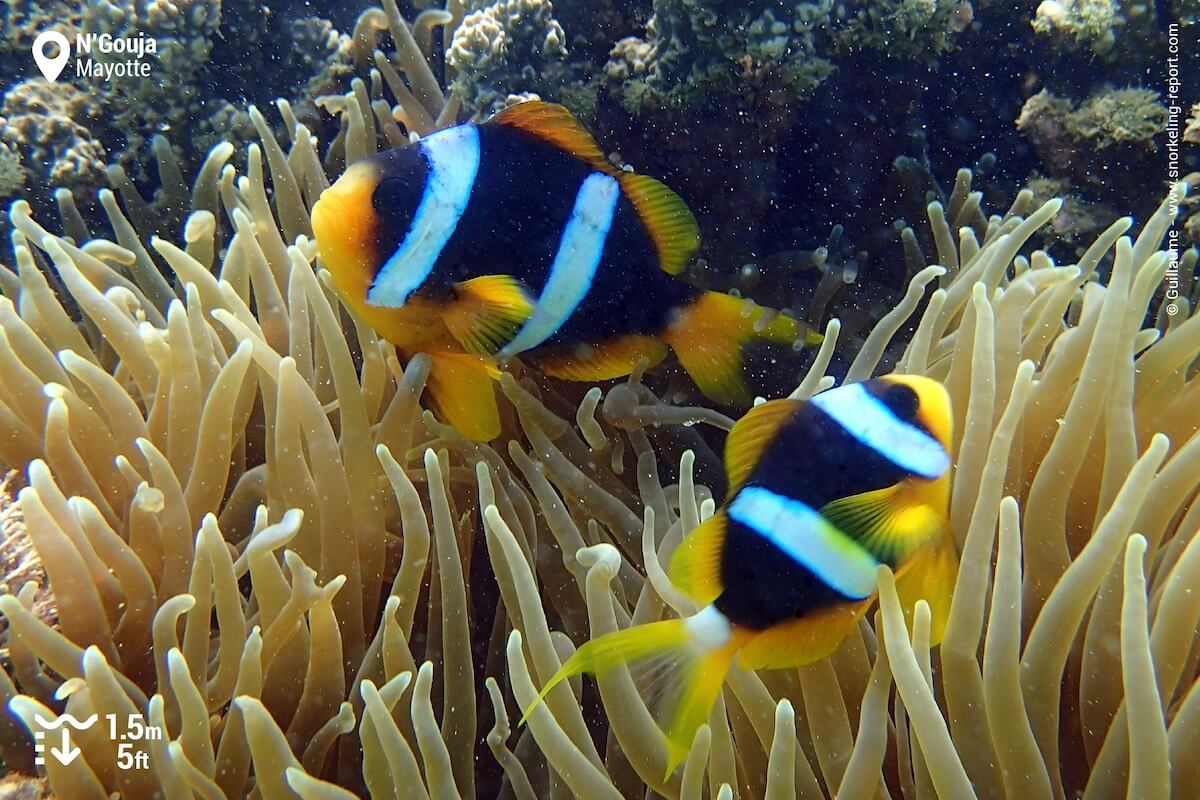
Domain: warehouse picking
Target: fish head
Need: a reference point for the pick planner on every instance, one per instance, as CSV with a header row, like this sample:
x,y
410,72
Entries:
x,y
361,219
923,402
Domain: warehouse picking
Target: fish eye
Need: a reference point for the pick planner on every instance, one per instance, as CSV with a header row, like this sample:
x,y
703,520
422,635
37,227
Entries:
x,y
901,400
391,193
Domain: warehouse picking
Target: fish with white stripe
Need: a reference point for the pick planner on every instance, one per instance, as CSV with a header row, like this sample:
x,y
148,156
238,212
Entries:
x,y
516,237
821,494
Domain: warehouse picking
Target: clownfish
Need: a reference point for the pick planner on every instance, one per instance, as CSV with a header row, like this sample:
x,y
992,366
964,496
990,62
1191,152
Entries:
x,y
516,236
821,493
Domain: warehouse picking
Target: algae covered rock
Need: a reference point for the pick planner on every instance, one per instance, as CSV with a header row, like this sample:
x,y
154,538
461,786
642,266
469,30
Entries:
x,y
1108,142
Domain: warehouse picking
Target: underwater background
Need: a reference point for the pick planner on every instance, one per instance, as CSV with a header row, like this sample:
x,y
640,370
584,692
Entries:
x,y
229,509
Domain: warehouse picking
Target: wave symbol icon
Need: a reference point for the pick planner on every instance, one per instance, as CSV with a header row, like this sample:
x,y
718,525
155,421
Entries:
x,y
66,719
67,752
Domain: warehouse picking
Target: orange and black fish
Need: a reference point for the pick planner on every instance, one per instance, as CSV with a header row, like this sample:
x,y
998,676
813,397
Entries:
x,y
517,237
821,494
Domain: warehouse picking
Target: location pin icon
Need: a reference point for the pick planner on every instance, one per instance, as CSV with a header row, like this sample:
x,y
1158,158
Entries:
x,y
51,67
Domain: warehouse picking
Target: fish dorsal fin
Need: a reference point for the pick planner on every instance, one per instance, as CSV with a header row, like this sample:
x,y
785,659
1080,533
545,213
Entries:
x,y
750,437
552,123
696,565
488,312
667,218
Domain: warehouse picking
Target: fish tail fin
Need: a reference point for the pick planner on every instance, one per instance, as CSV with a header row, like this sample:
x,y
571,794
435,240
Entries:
x,y
462,393
616,648
709,337
693,675
930,576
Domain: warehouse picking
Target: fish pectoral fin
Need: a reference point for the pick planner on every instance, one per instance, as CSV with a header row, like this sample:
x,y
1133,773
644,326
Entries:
x,y
674,230
803,641
553,124
886,522
462,393
696,564
602,361
487,312
750,437
911,535
930,575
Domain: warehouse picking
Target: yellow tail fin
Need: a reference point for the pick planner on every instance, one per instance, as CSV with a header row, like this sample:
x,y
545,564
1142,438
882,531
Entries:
x,y
697,676
614,649
709,335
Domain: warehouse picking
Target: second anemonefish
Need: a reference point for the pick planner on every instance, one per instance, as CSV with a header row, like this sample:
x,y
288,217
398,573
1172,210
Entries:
x,y
517,237
821,493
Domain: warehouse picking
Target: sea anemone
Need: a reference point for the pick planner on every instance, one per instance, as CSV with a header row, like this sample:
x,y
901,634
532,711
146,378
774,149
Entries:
x,y
256,538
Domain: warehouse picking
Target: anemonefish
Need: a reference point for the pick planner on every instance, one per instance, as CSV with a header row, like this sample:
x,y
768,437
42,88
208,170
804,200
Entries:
x,y
482,242
821,493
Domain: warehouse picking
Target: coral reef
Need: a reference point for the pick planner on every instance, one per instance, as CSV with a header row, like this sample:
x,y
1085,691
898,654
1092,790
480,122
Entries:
x,y
1080,23
258,539
19,563
1060,129
920,30
183,31
508,47
51,126
1078,221
1123,33
21,21
68,132
701,54
12,174
1103,146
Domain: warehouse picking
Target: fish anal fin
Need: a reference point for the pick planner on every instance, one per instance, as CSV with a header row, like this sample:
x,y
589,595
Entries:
x,y
750,437
696,564
552,123
462,393
802,641
890,523
602,361
487,312
666,217
930,575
